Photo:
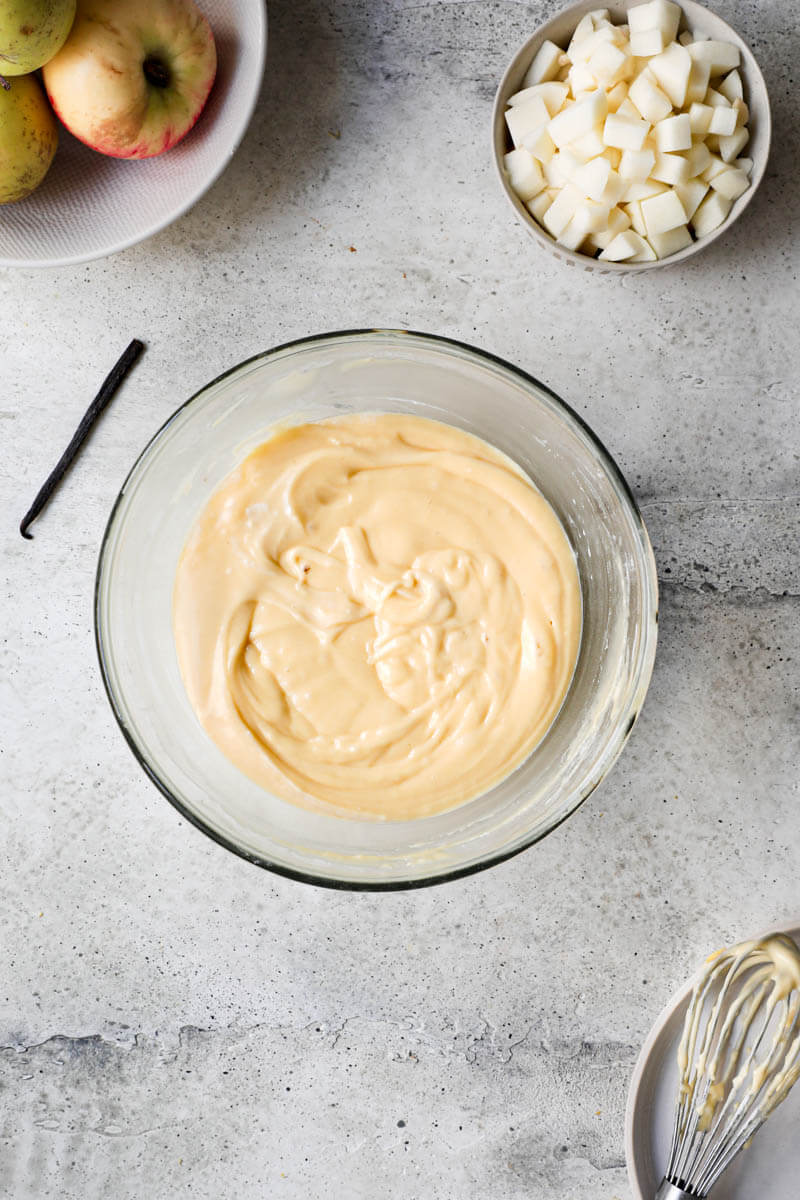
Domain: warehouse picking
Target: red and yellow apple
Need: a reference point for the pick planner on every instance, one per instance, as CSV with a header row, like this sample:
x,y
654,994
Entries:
x,y
133,75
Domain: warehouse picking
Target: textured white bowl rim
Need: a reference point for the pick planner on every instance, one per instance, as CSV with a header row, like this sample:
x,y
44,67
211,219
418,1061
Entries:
x,y
691,12
791,927
245,117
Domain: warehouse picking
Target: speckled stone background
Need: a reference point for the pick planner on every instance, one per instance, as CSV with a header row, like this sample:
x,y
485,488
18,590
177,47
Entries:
x,y
176,1023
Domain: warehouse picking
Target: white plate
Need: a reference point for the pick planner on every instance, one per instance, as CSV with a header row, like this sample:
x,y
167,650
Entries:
x,y
90,205
770,1167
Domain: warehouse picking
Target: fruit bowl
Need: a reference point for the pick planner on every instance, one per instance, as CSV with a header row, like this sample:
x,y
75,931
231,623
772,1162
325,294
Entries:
x,y
334,375
91,205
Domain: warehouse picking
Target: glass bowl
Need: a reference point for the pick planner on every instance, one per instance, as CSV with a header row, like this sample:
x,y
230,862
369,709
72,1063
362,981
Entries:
x,y
374,371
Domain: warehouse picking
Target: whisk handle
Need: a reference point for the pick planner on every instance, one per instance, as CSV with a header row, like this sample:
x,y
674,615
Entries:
x,y
669,1191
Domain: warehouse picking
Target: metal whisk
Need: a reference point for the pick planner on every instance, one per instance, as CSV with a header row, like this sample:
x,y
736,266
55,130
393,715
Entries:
x,y
738,1057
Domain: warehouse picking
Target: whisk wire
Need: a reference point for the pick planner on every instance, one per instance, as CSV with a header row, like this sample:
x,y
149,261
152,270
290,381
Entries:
x,y
691,1136
738,1126
738,1056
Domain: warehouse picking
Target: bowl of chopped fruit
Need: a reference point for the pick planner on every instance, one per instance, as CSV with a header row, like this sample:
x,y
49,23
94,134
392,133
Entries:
x,y
631,136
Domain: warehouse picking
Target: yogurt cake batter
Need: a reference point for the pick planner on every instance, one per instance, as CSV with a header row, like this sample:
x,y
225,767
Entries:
x,y
377,612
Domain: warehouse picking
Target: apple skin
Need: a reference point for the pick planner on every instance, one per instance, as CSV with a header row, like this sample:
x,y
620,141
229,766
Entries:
x,y
31,32
133,75
28,138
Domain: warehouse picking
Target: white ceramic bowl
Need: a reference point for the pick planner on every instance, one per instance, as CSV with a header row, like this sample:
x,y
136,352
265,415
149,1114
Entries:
x,y
374,371
770,1166
90,205
560,30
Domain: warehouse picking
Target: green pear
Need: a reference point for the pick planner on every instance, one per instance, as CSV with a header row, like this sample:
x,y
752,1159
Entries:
x,y
28,138
31,32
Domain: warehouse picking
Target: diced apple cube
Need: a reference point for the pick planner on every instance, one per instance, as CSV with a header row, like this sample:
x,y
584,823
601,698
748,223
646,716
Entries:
x,y
587,46
573,237
521,97
562,210
609,64
698,158
671,242
524,174
729,147
645,253
553,173
685,37
583,30
640,189
673,133
580,118
526,118
540,144
744,164
588,146
742,112
672,69
628,109
593,177
634,210
723,121
648,43
621,247
613,189
710,213
625,132
697,86
581,80
617,222
540,204
662,213
716,99
570,164
592,217
617,96
658,14
715,167
690,194
732,183
553,94
649,99
731,86
627,246
637,165
700,118
671,168
545,65
720,56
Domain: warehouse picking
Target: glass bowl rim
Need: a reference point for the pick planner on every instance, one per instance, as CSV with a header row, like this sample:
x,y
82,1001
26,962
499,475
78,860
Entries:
x,y
644,666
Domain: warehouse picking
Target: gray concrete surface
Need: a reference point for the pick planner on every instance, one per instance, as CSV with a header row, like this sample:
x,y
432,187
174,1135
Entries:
x,y
176,1023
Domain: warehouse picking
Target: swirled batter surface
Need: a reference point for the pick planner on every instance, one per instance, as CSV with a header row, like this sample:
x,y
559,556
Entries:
x,y
380,613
